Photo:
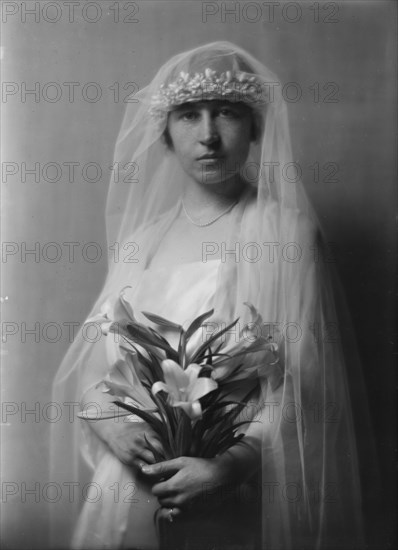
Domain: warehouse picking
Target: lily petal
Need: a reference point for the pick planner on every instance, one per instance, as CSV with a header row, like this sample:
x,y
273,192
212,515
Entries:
x,y
193,371
105,327
159,386
103,314
193,410
123,381
86,414
126,304
175,377
200,388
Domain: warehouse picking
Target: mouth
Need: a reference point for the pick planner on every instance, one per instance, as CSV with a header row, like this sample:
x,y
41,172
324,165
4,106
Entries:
x,y
210,156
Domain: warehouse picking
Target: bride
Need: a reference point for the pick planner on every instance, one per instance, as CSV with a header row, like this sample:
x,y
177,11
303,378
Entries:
x,y
203,216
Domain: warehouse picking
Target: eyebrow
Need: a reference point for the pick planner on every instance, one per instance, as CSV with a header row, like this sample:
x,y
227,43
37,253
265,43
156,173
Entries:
x,y
204,103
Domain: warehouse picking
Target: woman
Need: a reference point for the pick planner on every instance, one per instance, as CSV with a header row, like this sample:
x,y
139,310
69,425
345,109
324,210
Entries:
x,y
205,217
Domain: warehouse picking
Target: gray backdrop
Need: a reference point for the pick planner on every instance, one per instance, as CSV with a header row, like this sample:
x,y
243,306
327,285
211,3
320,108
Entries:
x,y
339,57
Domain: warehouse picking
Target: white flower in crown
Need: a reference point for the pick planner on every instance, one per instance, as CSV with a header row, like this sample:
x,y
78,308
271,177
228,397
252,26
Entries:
x,y
236,86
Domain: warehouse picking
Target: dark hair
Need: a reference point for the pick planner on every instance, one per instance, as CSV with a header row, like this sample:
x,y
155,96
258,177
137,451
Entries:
x,y
166,137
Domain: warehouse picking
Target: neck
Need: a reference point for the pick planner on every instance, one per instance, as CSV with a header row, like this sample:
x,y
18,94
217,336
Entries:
x,y
202,199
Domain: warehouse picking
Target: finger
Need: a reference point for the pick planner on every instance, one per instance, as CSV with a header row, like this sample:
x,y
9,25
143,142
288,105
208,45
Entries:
x,y
138,463
164,469
146,457
163,490
155,443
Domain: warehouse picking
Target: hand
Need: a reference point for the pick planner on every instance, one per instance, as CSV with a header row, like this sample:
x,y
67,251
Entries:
x,y
185,482
127,442
125,439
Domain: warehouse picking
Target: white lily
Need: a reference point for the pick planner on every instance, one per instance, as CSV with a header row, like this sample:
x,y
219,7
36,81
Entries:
x,y
124,382
184,387
102,318
109,313
254,344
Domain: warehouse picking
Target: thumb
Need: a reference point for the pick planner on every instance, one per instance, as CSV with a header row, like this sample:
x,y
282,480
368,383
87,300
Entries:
x,y
163,469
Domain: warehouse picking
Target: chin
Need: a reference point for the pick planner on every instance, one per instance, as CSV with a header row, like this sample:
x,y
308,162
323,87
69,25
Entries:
x,y
216,177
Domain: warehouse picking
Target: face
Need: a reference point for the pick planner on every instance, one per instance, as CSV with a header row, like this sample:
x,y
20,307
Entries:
x,y
211,139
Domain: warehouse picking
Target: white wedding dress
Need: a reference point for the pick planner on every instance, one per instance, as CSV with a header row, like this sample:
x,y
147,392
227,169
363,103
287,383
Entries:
x,y
119,512
309,449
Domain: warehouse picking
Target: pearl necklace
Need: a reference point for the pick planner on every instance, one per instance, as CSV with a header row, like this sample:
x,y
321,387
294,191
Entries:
x,y
198,224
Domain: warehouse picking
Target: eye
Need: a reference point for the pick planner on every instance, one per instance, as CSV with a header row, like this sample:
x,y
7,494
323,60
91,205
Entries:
x,y
189,116
228,112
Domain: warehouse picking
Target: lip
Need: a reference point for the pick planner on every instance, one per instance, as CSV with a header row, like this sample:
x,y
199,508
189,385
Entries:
x,y
210,156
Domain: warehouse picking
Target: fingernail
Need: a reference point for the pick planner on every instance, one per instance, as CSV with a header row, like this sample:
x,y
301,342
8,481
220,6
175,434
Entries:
x,y
146,469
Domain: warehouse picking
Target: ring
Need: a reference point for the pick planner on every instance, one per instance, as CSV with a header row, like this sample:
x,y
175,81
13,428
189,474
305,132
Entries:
x,y
170,515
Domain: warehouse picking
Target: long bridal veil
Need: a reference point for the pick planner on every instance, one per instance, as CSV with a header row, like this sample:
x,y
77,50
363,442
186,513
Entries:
x,y
310,494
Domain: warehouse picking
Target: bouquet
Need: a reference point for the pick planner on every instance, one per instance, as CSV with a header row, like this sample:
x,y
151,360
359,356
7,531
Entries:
x,y
184,392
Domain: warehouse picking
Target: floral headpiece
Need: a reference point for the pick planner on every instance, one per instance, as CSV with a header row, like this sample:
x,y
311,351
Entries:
x,y
234,86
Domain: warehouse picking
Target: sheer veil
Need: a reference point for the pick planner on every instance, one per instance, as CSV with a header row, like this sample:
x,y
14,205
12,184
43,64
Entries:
x,y
310,491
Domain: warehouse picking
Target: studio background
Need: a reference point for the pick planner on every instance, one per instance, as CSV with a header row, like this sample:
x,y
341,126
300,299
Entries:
x,y
346,115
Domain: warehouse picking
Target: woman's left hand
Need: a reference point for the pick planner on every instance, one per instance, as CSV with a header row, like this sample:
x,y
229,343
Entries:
x,y
185,482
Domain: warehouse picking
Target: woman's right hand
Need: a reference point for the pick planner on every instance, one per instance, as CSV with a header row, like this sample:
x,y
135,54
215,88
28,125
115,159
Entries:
x,y
125,439
127,442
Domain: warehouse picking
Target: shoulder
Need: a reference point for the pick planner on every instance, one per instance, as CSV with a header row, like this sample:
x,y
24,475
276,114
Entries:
x,y
269,220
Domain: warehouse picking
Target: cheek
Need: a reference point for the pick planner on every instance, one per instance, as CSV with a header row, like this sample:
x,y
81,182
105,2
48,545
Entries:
x,y
240,140
179,138
182,147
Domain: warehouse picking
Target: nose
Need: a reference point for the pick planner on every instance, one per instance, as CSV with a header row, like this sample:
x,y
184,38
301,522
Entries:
x,y
208,133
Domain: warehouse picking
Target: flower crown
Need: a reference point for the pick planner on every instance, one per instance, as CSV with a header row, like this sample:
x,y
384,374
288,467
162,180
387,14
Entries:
x,y
236,86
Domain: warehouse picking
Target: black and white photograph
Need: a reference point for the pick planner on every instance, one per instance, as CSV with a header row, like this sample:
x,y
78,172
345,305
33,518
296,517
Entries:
x,y
198,332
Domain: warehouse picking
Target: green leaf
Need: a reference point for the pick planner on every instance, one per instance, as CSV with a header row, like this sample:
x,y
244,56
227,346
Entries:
x,y
181,349
161,321
183,434
197,323
202,349
259,345
145,337
227,445
167,422
120,328
229,375
159,457
154,422
154,370
223,440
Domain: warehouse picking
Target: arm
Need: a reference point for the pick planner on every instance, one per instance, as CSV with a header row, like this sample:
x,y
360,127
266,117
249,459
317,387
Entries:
x,y
189,479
